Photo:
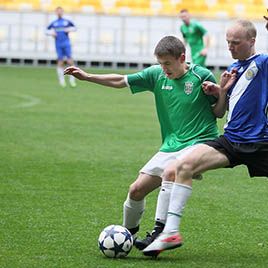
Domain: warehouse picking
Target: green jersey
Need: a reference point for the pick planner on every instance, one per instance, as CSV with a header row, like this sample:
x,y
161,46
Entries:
x,y
184,111
193,34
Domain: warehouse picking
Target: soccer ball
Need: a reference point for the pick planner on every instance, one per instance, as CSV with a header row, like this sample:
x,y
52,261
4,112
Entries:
x,y
115,241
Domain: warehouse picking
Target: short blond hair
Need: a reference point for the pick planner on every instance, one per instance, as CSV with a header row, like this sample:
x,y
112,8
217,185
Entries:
x,y
249,27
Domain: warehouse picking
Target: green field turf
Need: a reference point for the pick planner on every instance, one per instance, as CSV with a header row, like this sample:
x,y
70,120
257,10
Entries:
x,y
67,157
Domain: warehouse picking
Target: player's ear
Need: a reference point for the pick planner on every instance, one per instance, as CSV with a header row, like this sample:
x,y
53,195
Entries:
x,y
252,41
182,57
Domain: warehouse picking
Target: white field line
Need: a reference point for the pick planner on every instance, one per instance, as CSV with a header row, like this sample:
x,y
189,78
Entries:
x,y
29,101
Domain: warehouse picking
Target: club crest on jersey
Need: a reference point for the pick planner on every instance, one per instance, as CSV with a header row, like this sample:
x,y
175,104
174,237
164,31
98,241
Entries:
x,y
251,72
188,88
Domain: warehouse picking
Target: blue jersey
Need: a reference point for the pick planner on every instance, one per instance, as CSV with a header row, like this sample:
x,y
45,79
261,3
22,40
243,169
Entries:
x,y
60,25
247,120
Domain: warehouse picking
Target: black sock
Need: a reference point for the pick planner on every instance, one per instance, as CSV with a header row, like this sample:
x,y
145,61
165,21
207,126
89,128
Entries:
x,y
159,227
134,230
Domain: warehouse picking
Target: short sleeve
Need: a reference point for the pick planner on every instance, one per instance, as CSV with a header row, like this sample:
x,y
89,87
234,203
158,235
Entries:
x,y
141,81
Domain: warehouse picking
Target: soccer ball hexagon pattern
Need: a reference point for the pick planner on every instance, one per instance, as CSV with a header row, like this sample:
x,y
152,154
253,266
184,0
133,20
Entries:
x,y
115,241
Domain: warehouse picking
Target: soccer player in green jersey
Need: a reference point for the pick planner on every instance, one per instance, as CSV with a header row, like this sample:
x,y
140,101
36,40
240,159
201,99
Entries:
x,y
196,36
187,117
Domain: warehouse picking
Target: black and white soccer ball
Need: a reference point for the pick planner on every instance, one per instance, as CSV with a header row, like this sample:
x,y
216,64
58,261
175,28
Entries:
x,y
115,241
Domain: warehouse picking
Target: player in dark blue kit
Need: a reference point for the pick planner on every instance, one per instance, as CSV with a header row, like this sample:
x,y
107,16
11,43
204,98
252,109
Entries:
x,y
244,89
60,29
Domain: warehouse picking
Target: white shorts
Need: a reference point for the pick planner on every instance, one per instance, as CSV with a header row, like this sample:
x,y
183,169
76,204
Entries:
x,y
156,165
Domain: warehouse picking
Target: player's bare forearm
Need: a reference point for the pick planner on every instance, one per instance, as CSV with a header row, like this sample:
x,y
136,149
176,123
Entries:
x,y
226,81
215,90
109,80
220,107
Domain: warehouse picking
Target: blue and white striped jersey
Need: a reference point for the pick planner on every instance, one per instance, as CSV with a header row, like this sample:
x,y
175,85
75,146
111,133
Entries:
x,y
247,120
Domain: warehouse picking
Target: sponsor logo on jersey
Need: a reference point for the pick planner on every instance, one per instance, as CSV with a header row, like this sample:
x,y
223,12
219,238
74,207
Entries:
x,y
167,87
59,29
188,88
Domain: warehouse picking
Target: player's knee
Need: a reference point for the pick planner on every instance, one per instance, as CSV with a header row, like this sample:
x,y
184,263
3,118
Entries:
x,y
185,169
136,191
169,174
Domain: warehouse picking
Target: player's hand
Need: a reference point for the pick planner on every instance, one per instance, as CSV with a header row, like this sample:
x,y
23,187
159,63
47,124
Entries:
x,y
211,88
76,72
227,79
204,52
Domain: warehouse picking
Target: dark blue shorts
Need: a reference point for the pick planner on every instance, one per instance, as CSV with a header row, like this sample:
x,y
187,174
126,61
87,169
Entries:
x,y
253,155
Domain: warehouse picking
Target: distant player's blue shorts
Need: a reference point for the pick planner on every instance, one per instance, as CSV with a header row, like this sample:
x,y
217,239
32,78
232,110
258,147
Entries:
x,y
64,52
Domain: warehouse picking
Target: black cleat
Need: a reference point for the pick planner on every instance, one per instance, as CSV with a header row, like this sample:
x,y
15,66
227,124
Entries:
x,y
150,237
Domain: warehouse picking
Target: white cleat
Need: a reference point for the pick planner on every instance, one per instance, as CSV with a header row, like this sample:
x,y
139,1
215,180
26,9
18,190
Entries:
x,y
72,84
163,242
63,84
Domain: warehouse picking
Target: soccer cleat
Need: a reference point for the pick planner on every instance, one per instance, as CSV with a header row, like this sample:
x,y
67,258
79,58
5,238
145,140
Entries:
x,y
164,241
141,244
150,237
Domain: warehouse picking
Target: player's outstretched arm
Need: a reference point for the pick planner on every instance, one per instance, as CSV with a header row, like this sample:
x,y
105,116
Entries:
x,y
110,80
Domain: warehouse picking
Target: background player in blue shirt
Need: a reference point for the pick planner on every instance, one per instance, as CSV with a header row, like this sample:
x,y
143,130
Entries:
x,y
60,29
244,88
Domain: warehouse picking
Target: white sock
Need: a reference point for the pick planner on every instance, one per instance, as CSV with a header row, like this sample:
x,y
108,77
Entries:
x,y
132,213
60,72
163,201
178,198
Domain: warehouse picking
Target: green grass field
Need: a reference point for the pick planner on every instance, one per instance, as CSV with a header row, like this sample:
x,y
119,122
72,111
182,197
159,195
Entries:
x,y
67,157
